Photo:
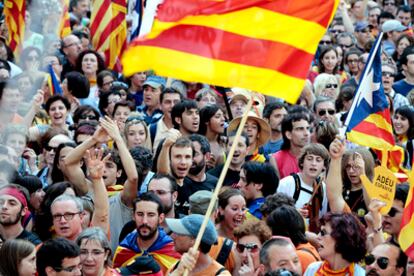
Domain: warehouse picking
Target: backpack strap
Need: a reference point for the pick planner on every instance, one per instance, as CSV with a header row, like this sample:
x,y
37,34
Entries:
x,y
153,131
310,252
224,251
297,186
220,271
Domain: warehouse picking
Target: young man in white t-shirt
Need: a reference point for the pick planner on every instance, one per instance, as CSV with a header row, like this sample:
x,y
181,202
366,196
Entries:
x,y
312,161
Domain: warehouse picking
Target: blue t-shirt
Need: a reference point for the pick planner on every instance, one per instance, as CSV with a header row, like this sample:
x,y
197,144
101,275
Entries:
x,y
403,87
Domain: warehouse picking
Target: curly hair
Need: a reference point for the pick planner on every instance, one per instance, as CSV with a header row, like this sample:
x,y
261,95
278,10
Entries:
x,y
255,228
349,235
100,60
272,202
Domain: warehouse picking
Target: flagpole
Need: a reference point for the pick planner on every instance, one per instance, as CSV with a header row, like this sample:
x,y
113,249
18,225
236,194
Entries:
x,y
222,176
359,92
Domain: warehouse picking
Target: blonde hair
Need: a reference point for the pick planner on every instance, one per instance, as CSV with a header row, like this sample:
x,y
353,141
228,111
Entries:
x,y
321,81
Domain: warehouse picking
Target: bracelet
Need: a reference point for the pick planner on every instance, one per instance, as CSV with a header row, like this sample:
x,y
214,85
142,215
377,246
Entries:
x,y
377,230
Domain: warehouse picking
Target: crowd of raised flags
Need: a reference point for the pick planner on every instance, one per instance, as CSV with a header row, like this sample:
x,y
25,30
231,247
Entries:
x,y
119,150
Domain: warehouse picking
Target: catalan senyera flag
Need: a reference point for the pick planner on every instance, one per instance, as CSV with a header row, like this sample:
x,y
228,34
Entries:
x,y
64,24
406,237
14,11
369,121
262,45
109,30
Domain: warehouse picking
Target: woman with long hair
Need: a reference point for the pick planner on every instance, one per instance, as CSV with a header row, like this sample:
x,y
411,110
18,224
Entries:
x,y
403,123
212,126
18,258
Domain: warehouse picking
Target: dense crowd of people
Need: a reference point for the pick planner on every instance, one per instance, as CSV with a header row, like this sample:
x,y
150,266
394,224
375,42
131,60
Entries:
x,y
114,175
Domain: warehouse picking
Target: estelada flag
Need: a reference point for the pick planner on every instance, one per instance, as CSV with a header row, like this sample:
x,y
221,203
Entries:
x,y
262,45
406,237
369,121
53,83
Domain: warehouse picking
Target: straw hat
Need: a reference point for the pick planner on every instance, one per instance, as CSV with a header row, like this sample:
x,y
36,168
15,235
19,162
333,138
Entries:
x,y
264,133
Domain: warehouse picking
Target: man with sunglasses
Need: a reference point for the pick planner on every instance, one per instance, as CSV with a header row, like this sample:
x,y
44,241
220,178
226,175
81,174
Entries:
x,y
388,76
324,108
386,259
362,34
58,257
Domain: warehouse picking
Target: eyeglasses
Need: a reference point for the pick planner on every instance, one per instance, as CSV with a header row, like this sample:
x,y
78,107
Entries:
x,y
94,253
251,247
336,31
352,61
387,74
86,116
331,85
322,112
324,233
49,148
363,31
382,262
393,211
69,268
71,44
67,216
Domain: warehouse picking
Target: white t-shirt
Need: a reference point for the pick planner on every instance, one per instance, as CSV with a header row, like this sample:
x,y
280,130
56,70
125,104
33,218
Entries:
x,y
287,186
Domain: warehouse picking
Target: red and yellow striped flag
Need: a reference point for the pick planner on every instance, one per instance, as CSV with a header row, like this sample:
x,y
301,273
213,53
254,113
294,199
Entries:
x,y
263,45
14,11
406,237
108,29
64,24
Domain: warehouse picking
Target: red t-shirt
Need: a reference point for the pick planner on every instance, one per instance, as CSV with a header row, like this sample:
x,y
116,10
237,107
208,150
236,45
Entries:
x,y
286,163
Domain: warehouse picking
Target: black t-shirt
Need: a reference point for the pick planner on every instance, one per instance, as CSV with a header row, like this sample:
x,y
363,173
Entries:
x,y
190,187
232,177
356,203
28,236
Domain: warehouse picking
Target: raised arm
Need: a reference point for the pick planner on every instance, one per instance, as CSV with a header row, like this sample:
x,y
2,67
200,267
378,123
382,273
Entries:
x,y
129,193
334,183
34,108
74,172
95,165
163,162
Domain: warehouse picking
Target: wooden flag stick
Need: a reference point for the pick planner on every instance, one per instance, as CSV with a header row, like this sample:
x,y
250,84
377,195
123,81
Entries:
x,y
221,178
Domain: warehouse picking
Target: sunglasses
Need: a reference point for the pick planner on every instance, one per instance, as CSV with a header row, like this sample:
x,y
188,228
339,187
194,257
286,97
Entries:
x,y
251,247
326,42
135,119
387,74
393,211
382,262
324,111
49,148
86,116
331,85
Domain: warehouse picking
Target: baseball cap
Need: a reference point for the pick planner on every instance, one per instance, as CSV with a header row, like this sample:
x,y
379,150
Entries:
x,y
199,202
361,26
155,81
190,226
393,25
142,265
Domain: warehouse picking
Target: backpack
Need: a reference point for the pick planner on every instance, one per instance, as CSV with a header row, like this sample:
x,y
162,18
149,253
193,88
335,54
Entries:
x,y
224,251
315,203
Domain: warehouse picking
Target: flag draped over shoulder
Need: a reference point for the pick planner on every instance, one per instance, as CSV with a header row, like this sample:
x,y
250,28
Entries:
x,y
14,11
64,24
406,237
108,29
263,45
369,121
